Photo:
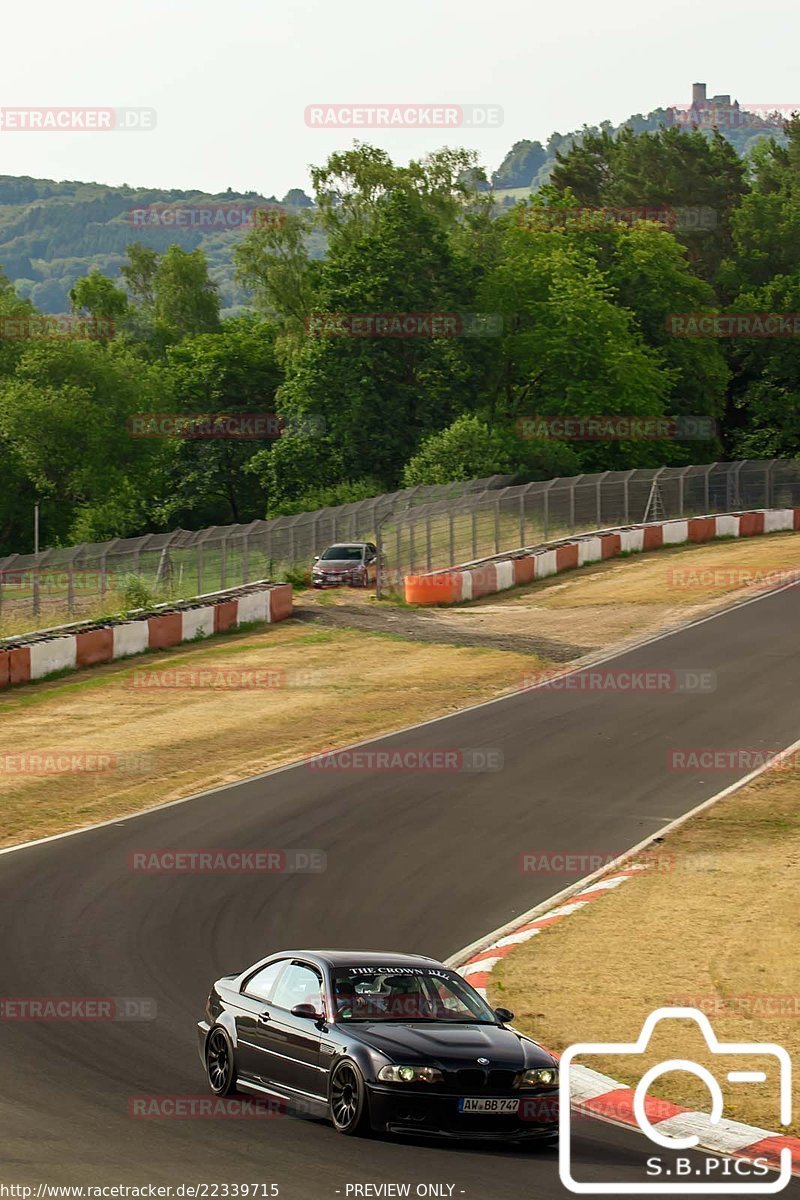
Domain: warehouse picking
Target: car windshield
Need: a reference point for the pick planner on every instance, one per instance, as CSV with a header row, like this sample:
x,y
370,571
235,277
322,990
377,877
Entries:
x,y
407,994
342,553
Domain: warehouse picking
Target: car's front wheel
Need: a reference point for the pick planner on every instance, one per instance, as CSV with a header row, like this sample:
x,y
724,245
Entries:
x,y
220,1063
349,1111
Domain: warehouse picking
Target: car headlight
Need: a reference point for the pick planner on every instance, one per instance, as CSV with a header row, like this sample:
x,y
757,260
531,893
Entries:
x,y
410,1075
539,1077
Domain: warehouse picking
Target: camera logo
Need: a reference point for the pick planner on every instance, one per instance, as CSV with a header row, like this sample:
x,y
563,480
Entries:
x,y
570,1072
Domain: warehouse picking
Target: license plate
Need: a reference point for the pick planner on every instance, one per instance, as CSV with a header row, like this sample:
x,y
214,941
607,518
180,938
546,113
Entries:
x,y
487,1104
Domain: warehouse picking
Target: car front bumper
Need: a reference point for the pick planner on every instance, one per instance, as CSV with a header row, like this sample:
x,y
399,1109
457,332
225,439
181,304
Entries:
x,y
321,581
203,1029
434,1114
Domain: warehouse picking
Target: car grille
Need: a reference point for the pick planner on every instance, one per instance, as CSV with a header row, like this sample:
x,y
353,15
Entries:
x,y
474,1079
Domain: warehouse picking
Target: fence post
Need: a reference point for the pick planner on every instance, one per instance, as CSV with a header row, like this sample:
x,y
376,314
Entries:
x,y
474,535
452,533
497,526
522,496
70,590
200,568
575,481
770,490
223,563
411,545
600,480
546,511
681,500
36,597
398,552
246,558
626,490
707,488
428,541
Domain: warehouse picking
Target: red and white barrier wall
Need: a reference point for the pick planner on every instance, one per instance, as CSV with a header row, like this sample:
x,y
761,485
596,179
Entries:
x,y
523,566
71,647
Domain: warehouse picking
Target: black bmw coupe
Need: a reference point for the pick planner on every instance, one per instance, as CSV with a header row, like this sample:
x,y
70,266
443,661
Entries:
x,y
394,1043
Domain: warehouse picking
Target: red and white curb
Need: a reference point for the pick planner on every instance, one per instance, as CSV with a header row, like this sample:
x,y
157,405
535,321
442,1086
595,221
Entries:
x,y
33,656
470,581
596,1095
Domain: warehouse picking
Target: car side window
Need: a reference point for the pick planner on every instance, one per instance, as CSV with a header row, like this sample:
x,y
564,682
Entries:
x,y
260,986
298,985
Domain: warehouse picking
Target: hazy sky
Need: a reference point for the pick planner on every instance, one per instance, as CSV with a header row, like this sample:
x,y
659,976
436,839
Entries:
x,y
231,79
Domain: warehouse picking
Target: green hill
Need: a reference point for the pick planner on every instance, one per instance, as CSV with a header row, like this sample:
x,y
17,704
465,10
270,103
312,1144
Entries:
x,y
52,232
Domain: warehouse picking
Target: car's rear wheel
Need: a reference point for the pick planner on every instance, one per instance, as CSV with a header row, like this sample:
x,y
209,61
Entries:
x,y
220,1063
349,1111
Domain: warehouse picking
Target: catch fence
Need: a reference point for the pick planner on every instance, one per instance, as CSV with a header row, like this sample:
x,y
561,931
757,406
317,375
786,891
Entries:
x,y
437,534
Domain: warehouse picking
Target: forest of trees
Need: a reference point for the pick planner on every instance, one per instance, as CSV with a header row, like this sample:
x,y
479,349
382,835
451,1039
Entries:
x,y
557,317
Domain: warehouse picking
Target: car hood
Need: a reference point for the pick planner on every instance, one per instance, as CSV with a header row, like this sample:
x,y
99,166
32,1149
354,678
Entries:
x,y
463,1044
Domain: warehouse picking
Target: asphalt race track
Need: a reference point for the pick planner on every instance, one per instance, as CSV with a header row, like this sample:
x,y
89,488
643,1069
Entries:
x,y
421,862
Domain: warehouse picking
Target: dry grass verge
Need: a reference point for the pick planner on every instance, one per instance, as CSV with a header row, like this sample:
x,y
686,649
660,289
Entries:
x,y
316,690
715,928
606,602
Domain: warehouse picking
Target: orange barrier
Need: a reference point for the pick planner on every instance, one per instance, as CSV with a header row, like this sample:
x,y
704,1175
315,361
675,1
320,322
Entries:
x,y
702,529
653,537
19,664
524,568
610,544
225,615
751,523
165,630
94,646
280,602
566,556
444,588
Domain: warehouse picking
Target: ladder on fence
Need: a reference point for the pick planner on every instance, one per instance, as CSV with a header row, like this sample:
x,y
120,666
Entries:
x,y
654,509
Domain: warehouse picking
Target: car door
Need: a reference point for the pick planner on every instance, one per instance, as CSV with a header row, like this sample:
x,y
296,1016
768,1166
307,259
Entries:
x,y
252,1018
291,1044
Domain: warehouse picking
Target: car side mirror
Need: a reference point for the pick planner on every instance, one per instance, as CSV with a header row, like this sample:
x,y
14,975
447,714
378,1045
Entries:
x,y
504,1015
308,1011
316,558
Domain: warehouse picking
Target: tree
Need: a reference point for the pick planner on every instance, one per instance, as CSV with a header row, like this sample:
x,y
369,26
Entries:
x,y
99,296
232,372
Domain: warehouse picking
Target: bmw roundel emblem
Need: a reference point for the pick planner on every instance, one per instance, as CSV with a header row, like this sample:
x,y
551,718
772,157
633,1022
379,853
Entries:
x,y
484,1062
